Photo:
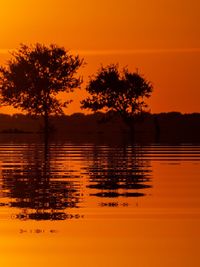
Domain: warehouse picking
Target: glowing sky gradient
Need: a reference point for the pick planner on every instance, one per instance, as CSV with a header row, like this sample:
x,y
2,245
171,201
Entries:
x,y
161,38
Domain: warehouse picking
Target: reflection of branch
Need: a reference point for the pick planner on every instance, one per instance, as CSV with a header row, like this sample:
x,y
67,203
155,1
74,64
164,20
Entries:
x,y
114,185
112,170
52,215
30,187
115,194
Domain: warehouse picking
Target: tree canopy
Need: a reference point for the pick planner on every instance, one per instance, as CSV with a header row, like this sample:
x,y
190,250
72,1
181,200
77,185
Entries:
x,y
35,75
123,92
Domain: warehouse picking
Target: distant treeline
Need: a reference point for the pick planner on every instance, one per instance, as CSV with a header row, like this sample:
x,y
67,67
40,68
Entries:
x,y
159,127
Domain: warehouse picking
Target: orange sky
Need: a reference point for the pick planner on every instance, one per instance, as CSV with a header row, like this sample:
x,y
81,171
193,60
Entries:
x,y
161,38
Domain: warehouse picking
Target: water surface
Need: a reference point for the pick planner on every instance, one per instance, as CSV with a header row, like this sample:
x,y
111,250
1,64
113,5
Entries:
x,y
86,204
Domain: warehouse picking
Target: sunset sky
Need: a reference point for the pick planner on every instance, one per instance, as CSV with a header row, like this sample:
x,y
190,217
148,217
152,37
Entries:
x,y
159,37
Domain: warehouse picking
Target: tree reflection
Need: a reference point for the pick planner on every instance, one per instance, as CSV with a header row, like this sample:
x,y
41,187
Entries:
x,y
116,172
39,188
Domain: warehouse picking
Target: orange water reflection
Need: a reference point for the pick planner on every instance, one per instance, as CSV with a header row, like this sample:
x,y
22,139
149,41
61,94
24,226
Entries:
x,y
99,205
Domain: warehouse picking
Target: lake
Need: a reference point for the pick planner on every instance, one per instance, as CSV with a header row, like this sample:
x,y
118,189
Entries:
x,y
86,204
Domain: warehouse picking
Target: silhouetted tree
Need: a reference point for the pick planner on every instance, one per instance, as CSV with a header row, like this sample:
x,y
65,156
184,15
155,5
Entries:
x,y
122,92
35,75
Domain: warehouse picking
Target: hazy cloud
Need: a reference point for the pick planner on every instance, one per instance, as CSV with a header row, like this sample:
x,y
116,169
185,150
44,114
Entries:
x,y
136,51
123,51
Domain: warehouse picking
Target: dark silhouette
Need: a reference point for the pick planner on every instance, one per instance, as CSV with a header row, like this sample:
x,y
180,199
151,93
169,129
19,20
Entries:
x,y
157,128
121,92
35,75
152,128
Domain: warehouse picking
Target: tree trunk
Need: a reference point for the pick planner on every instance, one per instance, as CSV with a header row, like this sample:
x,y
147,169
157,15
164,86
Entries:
x,y
130,122
46,125
132,131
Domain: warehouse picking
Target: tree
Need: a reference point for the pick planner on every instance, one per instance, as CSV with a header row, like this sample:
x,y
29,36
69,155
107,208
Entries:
x,y
122,92
35,75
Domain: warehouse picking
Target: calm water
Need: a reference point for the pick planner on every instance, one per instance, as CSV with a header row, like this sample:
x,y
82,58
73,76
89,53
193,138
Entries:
x,y
72,204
